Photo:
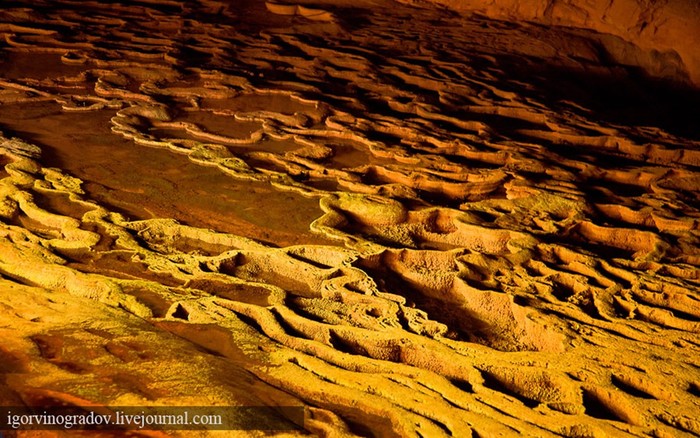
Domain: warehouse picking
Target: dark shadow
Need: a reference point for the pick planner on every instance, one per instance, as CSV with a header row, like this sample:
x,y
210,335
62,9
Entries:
x,y
614,94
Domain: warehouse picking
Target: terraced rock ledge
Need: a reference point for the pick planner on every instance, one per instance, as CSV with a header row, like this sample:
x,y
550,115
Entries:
x,y
410,221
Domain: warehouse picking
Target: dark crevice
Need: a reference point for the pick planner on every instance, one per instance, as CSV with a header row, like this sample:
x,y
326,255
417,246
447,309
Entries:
x,y
594,408
694,389
462,384
491,382
181,313
630,389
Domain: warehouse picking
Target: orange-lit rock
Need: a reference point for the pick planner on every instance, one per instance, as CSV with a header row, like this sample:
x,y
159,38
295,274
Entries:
x,y
406,220
666,34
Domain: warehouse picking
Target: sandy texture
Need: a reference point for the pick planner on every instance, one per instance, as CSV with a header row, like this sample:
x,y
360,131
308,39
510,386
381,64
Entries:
x,y
412,222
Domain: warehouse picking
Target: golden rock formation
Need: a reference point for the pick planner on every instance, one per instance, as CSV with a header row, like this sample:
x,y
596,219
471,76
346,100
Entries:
x,y
407,221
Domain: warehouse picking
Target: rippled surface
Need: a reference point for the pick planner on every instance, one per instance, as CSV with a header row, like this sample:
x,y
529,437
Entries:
x,y
393,216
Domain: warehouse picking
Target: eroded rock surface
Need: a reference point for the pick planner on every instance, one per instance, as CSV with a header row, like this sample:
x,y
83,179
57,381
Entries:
x,y
388,214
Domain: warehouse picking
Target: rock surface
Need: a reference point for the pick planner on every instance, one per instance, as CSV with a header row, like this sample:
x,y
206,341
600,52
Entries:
x,y
408,221
664,36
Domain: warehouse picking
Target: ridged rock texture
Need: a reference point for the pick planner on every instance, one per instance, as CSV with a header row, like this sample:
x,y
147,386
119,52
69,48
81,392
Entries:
x,y
409,219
